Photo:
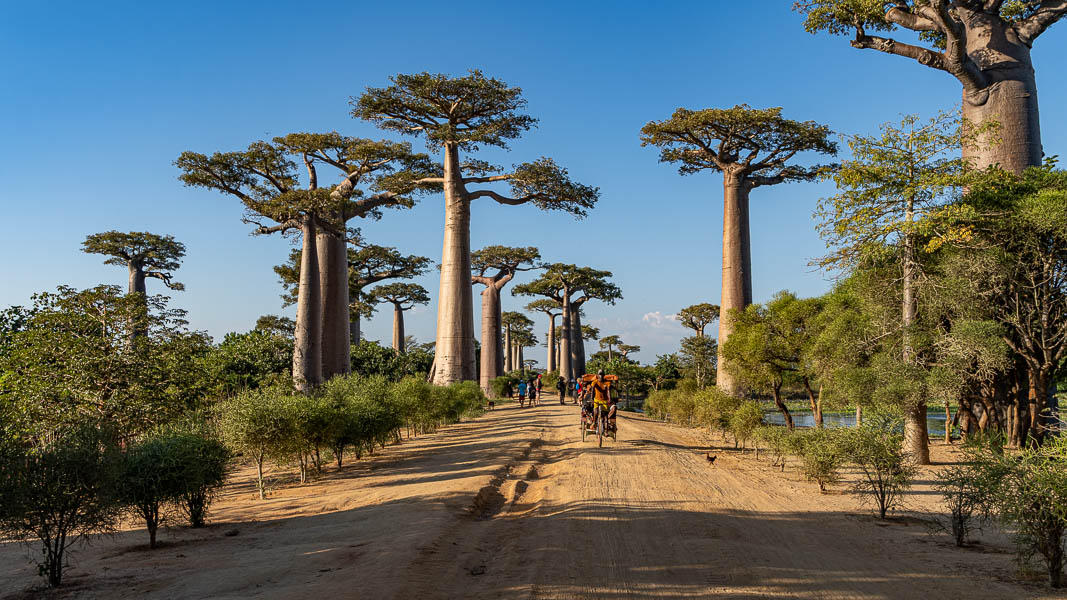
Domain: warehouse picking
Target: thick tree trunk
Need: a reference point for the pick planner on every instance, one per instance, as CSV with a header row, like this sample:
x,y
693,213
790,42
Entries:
x,y
736,268
509,351
307,348
137,286
354,333
815,402
1009,98
333,278
455,303
1037,395
577,343
398,328
492,363
776,392
551,343
565,363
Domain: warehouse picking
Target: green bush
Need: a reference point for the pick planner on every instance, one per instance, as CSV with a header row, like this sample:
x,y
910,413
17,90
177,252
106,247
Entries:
x,y
258,424
968,493
59,491
500,385
878,453
821,455
744,422
776,440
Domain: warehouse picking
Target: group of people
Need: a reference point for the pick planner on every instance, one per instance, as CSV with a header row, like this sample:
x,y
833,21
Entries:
x,y
527,390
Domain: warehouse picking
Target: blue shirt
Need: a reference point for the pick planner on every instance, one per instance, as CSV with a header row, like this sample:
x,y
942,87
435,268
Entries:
x,y
522,389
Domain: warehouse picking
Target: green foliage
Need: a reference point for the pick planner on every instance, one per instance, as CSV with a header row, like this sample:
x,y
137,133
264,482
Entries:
x,y
698,316
744,421
404,296
275,325
367,264
249,360
967,490
154,255
559,279
821,455
698,359
74,360
371,358
501,384
886,471
170,471
759,141
255,423
58,491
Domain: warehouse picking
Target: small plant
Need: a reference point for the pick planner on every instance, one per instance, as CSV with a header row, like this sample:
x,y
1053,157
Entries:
x,y
820,455
968,491
776,440
59,491
256,423
744,421
886,472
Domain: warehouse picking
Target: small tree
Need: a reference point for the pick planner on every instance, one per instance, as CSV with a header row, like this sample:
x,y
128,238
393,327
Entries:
x,y
145,255
886,471
821,456
698,316
403,296
275,325
744,421
256,424
154,479
60,491
968,493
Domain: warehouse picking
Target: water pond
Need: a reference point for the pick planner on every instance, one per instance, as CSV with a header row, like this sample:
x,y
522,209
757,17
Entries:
x,y
935,421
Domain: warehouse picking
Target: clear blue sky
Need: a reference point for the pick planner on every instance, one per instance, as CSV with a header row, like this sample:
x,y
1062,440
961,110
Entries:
x,y
98,99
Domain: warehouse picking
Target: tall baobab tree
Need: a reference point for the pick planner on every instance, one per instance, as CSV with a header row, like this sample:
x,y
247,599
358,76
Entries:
x,y
457,115
389,168
522,339
609,343
751,148
561,283
403,296
984,44
698,316
495,267
627,349
550,308
513,322
145,255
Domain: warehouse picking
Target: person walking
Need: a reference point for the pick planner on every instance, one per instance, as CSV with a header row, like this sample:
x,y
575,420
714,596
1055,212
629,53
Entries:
x,y
561,386
522,391
538,385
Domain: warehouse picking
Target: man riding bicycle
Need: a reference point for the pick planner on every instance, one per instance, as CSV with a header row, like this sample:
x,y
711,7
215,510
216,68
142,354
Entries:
x,y
600,389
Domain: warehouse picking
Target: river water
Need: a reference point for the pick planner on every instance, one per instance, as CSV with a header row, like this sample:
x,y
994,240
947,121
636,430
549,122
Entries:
x,y
935,422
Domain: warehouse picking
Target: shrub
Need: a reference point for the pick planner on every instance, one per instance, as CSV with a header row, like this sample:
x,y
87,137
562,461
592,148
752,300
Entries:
x,y
258,424
878,454
500,384
207,465
1030,496
744,422
715,409
967,490
820,454
776,440
153,476
59,491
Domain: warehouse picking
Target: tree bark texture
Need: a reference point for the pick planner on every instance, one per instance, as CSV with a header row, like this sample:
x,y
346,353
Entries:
x,y
551,343
398,327
454,354
307,348
577,348
333,277
492,359
736,268
565,363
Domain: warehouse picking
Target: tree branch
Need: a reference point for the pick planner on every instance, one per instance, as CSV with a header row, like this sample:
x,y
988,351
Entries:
x,y
909,20
1046,14
502,199
281,227
488,179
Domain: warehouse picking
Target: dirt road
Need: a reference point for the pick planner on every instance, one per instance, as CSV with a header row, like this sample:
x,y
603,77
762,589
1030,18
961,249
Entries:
x,y
513,505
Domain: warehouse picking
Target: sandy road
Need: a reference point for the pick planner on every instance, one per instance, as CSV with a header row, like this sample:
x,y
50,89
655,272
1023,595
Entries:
x,y
514,505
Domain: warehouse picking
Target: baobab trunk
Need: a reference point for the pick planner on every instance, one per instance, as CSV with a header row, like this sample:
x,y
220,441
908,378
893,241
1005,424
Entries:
x,y
398,328
916,437
307,347
454,358
509,356
551,343
1009,98
492,361
137,286
736,268
565,342
333,277
577,343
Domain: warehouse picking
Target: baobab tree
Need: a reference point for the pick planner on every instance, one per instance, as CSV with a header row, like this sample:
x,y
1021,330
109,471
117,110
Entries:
x,y
513,322
751,148
522,339
367,264
984,44
560,283
550,308
698,316
627,349
457,115
495,266
403,296
145,255
609,343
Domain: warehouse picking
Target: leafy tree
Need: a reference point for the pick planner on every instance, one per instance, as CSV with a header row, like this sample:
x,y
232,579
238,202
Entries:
x,y
74,361
550,308
462,114
609,343
698,316
275,325
255,423
494,267
153,479
895,181
403,296
699,358
248,361
751,148
590,333
668,370
514,323
371,358
984,44
561,283
59,490
145,255
627,349
878,454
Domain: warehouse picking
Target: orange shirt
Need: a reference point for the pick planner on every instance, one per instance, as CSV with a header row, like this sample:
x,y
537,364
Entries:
x,y
600,391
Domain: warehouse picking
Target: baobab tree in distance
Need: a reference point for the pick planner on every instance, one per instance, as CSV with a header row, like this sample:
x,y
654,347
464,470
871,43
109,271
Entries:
x,y
609,343
698,316
462,114
627,349
751,148
403,296
495,266
550,308
513,322
560,283
984,44
145,255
